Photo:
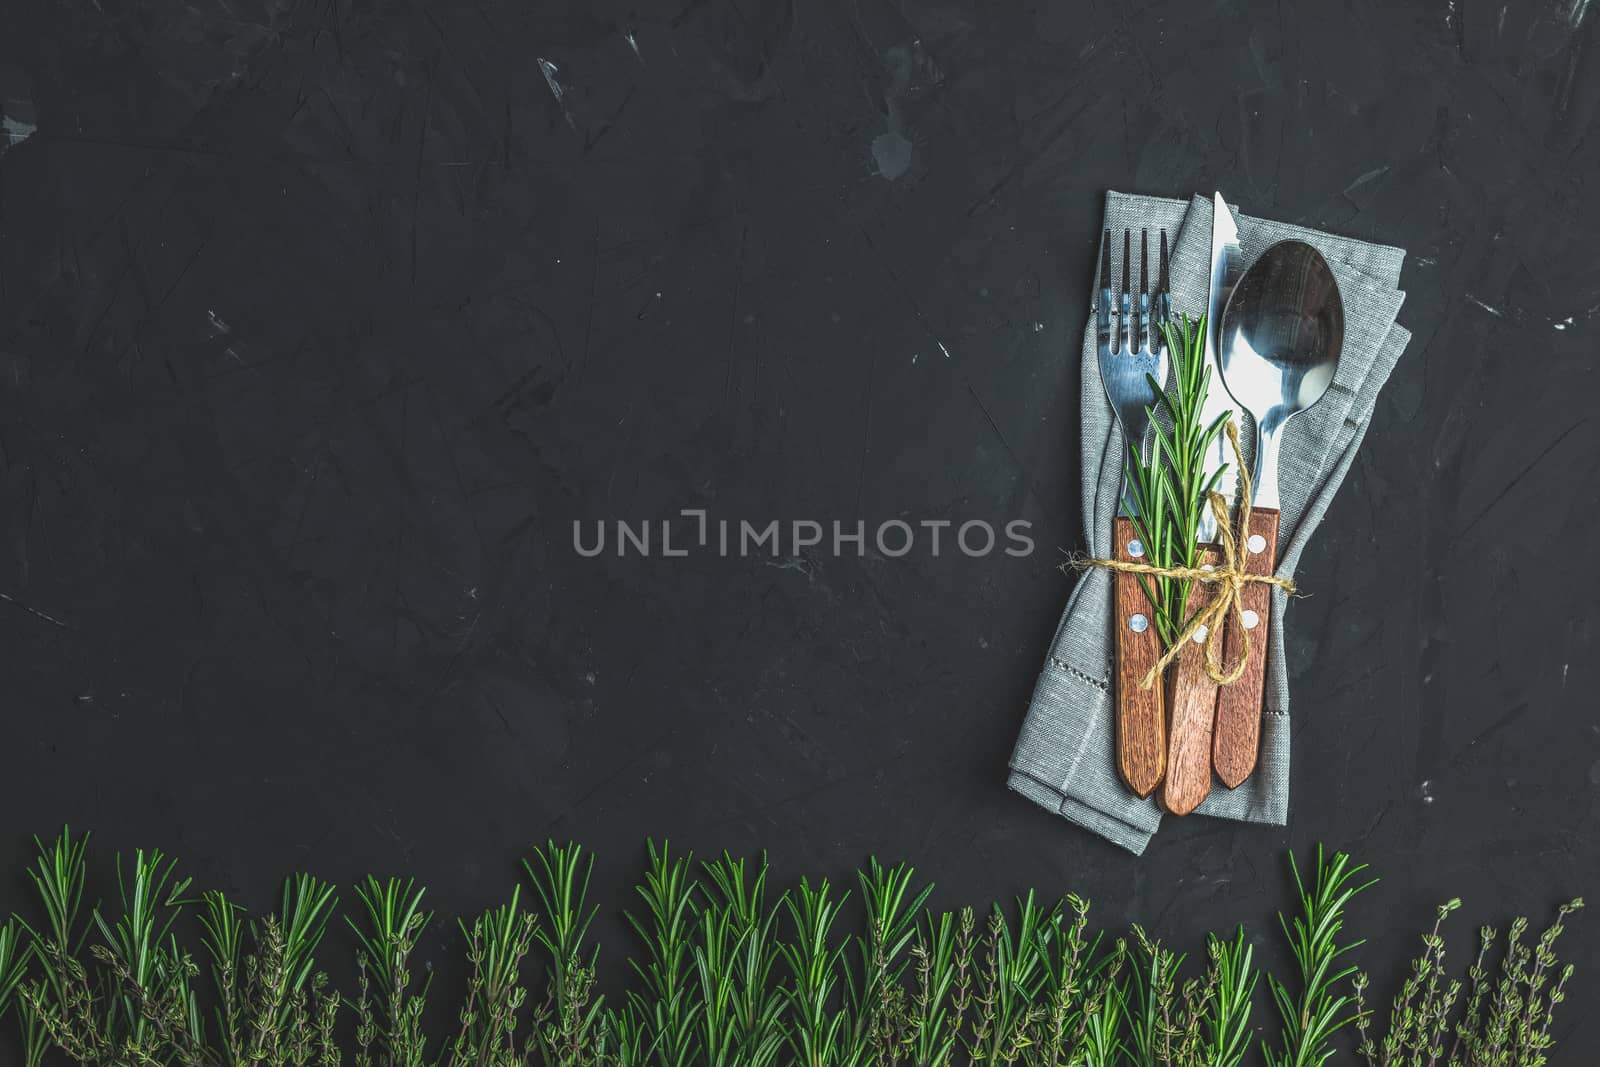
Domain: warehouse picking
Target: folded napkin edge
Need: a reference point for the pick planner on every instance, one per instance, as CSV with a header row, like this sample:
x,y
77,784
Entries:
x,y
1097,821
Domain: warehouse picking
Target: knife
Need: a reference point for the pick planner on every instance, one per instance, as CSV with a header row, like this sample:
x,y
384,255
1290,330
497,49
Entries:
x,y
1195,732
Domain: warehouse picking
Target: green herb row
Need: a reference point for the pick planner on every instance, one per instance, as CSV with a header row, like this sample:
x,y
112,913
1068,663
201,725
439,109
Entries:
x,y
727,971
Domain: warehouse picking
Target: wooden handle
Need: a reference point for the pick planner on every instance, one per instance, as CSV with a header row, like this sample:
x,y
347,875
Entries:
x,y
1192,709
1238,735
1141,721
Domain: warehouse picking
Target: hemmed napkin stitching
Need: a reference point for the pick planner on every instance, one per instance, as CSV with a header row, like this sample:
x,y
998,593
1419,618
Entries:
x,y
1080,675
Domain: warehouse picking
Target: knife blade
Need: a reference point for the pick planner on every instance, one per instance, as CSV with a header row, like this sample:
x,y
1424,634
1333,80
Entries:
x,y
1227,266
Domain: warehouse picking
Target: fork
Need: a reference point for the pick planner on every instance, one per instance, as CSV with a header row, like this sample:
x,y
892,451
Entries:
x,y
1133,363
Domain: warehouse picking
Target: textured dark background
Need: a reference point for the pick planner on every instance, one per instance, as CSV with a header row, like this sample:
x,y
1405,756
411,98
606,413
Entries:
x,y
320,323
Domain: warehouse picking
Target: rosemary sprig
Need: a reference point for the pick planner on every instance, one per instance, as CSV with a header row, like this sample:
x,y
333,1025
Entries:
x,y
1170,488
815,960
58,878
670,1004
1314,1013
395,919
1233,962
734,964
571,1019
497,943
937,955
13,961
879,1001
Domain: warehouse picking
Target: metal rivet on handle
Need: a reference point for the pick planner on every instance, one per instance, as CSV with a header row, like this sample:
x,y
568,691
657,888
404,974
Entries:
x,y
1257,543
1138,624
1251,619
1136,548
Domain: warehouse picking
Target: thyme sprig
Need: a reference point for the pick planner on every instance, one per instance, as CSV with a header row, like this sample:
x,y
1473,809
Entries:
x,y
1504,1022
1170,488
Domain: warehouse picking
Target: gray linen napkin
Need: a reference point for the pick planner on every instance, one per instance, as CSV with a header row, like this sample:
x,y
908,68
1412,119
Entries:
x,y
1064,758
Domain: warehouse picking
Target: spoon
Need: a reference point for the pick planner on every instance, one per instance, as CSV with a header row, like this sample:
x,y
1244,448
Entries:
x,y
1281,335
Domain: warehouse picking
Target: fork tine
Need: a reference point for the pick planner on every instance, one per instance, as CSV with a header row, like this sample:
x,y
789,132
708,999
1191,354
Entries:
x,y
1103,311
1127,260
1163,303
1145,331
1125,335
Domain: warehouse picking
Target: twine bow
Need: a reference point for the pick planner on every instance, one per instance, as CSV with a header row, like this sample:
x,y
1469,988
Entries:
x,y
1229,576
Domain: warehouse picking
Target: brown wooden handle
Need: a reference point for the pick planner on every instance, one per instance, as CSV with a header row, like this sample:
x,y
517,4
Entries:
x,y
1238,734
1141,720
1191,711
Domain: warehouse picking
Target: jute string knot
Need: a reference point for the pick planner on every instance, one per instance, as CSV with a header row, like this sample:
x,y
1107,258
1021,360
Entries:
x,y
1229,577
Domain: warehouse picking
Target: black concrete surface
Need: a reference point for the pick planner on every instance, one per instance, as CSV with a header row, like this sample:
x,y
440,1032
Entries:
x,y
321,323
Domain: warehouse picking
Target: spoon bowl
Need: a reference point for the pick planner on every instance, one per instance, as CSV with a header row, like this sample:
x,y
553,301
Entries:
x,y
1281,335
